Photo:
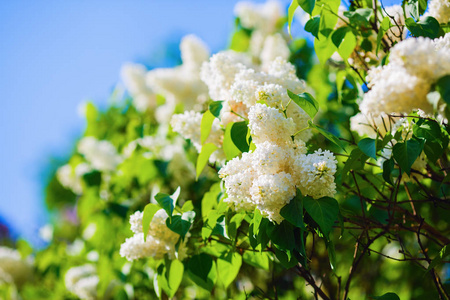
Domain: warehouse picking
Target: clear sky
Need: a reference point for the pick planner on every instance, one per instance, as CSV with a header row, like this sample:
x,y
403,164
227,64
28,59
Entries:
x,y
55,55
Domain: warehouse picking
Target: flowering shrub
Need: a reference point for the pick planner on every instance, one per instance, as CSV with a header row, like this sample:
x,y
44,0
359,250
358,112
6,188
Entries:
x,y
261,172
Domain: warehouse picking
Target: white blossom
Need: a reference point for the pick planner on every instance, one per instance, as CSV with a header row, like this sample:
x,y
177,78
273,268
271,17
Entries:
x,y
16,268
314,174
160,239
440,10
182,84
72,178
269,124
263,17
133,77
102,155
274,46
82,281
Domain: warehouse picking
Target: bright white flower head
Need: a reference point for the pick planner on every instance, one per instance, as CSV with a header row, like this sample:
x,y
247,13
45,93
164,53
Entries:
x,y
182,84
160,239
420,57
71,178
271,193
315,174
82,281
188,125
219,72
402,85
269,124
440,10
263,17
193,52
133,77
12,264
102,155
274,46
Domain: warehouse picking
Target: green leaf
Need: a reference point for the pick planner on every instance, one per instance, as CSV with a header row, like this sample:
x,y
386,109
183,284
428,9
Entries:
x,y
388,167
203,157
291,11
412,9
369,147
187,206
428,129
338,35
331,253
234,224
323,211
385,25
240,41
328,18
324,48
257,259
181,224
312,26
445,252
405,154
229,148
174,276
206,124
93,178
387,296
306,102
228,268
293,211
210,199
238,135
287,260
282,235
443,87
307,5
202,270
359,17
149,211
215,107
168,202
356,161
427,27
347,45
331,137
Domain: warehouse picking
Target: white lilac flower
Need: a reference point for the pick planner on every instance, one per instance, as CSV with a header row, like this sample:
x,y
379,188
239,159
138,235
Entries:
x,y
271,192
71,178
262,17
82,281
188,126
440,10
102,155
219,72
16,268
314,174
133,77
160,239
182,84
269,124
420,57
274,46
402,85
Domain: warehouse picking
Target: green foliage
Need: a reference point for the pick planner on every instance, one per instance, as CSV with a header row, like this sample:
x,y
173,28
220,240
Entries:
x,y
428,27
306,102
